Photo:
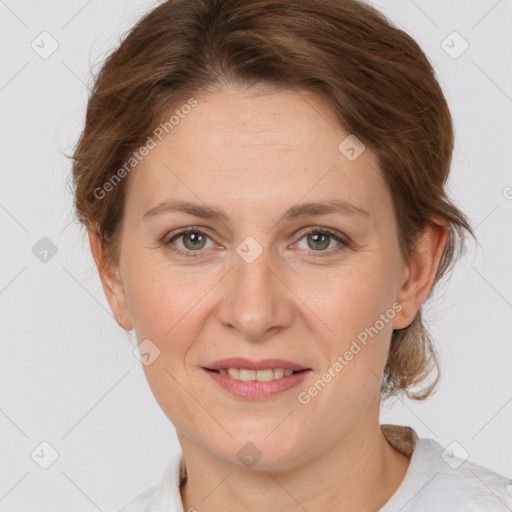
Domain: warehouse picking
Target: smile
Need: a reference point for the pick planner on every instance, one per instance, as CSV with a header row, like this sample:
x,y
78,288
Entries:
x,y
256,384
259,375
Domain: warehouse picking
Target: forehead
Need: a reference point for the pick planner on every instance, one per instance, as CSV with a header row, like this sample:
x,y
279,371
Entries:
x,y
255,149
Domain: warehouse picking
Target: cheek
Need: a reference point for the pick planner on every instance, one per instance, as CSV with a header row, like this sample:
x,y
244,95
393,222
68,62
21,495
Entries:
x,y
165,305
351,299
358,308
162,299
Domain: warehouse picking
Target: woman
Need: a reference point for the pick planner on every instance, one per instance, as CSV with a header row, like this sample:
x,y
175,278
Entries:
x,y
263,186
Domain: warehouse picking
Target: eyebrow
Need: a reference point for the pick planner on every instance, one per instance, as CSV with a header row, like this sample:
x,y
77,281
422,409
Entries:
x,y
296,211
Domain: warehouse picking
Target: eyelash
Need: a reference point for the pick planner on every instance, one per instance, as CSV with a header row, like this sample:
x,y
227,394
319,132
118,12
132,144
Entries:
x,y
344,243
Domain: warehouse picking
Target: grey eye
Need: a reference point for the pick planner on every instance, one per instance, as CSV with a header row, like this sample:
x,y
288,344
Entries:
x,y
318,241
191,240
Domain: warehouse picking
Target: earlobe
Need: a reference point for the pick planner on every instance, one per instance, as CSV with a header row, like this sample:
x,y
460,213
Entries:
x,y
110,281
420,271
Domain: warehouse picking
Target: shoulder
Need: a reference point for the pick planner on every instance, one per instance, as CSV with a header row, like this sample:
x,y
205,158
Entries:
x,y
467,485
438,479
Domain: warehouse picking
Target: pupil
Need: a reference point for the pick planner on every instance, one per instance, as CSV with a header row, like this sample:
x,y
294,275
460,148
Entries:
x,y
195,237
325,238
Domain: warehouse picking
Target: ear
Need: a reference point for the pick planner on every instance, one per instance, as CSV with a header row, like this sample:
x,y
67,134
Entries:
x,y
419,273
110,281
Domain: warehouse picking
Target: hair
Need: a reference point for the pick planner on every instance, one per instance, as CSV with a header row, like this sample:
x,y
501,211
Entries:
x,y
374,76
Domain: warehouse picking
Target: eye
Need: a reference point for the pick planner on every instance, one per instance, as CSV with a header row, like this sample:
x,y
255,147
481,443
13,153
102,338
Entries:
x,y
193,240
188,241
319,240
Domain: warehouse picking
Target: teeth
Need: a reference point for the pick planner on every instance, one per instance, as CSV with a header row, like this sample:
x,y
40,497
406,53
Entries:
x,y
259,375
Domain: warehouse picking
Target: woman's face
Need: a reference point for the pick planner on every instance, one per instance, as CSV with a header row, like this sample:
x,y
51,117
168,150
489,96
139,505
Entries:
x,y
262,280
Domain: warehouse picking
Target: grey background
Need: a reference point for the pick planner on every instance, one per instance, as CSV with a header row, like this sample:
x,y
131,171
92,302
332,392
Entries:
x,y
67,372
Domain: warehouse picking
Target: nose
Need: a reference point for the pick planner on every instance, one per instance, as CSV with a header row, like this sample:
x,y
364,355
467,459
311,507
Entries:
x,y
256,301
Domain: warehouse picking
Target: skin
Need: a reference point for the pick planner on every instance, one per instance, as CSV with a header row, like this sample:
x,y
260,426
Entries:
x,y
256,157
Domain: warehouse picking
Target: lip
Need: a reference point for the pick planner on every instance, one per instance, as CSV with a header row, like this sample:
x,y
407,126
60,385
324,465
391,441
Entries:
x,y
263,364
256,390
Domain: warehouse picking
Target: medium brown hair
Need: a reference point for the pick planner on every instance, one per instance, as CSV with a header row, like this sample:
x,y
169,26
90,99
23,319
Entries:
x,y
374,76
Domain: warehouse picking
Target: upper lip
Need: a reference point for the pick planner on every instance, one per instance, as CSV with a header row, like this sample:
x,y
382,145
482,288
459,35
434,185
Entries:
x,y
262,364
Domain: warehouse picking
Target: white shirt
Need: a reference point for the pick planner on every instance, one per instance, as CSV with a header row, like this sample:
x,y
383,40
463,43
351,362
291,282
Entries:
x,y
436,480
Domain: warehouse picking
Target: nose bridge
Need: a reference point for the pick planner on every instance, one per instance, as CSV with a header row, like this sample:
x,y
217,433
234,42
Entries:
x,y
253,277
256,300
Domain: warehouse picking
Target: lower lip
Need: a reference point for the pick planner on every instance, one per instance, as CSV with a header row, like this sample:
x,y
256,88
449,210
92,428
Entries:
x,y
254,389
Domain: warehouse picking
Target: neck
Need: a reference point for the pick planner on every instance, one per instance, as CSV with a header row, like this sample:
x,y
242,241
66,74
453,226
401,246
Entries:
x,y
360,473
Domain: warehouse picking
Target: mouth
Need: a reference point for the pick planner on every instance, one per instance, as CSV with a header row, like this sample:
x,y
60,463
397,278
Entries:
x,y
256,380
248,375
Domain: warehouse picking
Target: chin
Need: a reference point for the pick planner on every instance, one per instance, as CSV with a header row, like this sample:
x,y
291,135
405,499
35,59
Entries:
x,y
260,453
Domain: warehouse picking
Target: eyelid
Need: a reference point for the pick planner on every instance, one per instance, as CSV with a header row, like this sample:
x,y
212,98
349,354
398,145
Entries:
x,y
183,231
343,241
318,229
